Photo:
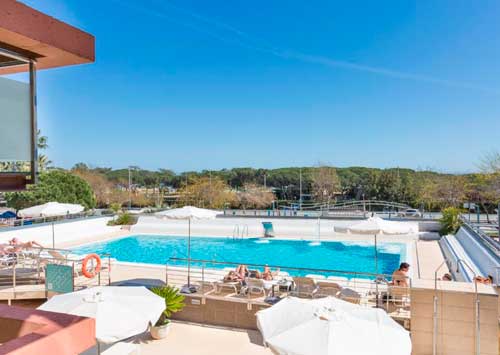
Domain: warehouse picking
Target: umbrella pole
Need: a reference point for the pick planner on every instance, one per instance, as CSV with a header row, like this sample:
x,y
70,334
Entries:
x,y
53,237
376,255
189,253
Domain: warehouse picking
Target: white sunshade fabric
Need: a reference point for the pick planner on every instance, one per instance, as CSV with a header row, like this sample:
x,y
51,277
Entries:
x,y
329,326
121,312
188,212
377,225
50,209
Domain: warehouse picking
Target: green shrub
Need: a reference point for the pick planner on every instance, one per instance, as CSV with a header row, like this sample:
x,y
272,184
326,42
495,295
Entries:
x,y
125,219
450,220
174,302
116,207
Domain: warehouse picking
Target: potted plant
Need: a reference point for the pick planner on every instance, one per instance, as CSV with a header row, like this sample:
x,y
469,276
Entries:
x,y
174,302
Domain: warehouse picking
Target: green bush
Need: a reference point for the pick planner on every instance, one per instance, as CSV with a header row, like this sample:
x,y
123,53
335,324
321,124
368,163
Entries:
x,y
174,302
125,219
450,220
56,185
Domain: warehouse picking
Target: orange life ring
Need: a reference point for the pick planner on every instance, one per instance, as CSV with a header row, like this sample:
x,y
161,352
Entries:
x,y
97,268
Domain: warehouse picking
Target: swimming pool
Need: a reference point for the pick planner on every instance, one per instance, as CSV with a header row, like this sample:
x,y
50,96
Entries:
x,y
332,255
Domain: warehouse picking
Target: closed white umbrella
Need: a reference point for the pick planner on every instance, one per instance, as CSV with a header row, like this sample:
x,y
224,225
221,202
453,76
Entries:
x,y
120,312
376,226
330,326
188,213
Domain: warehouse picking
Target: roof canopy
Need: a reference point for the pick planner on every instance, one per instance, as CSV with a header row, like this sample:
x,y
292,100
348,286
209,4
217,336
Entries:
x,y
35,35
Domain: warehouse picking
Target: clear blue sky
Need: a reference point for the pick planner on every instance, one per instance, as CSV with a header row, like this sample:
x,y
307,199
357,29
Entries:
x,y
191,85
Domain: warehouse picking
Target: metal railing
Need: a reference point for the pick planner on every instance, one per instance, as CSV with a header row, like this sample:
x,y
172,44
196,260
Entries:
x,y
240,231
26,267
477,319
15,223
481,236
368,289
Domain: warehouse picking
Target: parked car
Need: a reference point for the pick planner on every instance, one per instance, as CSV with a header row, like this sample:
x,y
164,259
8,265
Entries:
x,y
410,212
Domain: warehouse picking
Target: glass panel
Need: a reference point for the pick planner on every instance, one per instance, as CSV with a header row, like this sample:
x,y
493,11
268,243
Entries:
x,y
15,126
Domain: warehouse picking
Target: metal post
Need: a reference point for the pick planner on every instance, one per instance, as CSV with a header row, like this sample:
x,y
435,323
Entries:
x,y
300,189
435,325
189,253
376,255
498,220
129,190
53,237
33,122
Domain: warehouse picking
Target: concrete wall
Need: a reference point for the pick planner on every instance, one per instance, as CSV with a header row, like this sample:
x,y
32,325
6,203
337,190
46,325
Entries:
x,y
456,318
219,312
64,232
300,228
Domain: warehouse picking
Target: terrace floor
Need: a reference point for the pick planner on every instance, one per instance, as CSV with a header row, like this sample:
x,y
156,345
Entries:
x,y
189,339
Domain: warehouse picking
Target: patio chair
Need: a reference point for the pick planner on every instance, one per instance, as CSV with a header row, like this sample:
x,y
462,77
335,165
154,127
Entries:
x,y
399,296
349,295
342,281
231,285
326,288
304,287
362,286
206,286
253,286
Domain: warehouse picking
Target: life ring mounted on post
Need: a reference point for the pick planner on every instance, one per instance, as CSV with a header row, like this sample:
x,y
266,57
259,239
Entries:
x,y
96,269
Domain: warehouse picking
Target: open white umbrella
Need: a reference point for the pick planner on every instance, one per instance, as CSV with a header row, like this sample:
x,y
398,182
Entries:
x,y
330,326
50,209
120,312
376,226
188,213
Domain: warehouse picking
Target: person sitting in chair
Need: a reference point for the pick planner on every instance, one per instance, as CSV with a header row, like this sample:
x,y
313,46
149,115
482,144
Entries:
x,y
400,276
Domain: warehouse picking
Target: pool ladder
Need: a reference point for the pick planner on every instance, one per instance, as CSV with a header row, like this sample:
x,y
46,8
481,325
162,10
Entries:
x,y
240,231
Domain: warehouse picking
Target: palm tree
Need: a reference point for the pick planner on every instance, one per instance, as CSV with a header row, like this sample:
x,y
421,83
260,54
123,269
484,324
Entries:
x,y
42,144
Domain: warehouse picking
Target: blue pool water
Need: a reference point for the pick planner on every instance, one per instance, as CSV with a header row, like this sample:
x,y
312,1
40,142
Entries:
x,y
332,255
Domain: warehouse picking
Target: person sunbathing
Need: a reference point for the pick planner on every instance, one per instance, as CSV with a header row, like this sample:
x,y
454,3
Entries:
x,y
242,271
232,276
17,245
484,280
400,276
267,274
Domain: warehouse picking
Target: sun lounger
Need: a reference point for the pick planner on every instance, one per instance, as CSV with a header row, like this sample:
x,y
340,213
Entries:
x,y
206,286
316,277
349,295
231,285
254,286
342,281
304,286
362,286
326,288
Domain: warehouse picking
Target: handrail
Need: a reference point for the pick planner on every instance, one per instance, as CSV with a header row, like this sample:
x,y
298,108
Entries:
x,y
491,244
435,310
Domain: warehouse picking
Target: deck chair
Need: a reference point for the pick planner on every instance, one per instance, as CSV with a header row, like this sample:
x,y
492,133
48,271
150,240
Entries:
x,y
350,295
304,287
326,288
399,296
268,229
253,286
231,285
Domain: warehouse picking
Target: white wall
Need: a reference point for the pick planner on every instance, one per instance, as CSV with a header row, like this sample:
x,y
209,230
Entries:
x,y
283,227
64,232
